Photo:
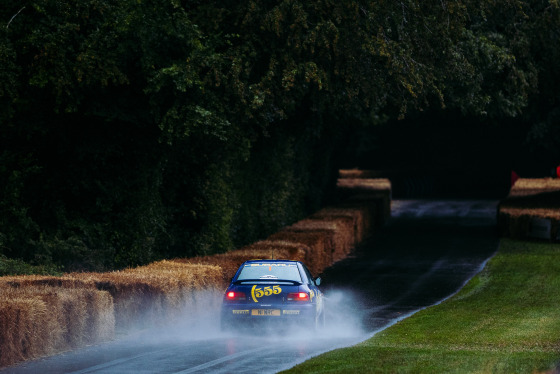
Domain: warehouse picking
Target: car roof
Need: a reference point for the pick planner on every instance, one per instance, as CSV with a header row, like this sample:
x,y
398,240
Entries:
x,y
272,261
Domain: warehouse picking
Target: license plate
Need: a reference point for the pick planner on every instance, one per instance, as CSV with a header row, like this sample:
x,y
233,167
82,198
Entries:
x,y
265,312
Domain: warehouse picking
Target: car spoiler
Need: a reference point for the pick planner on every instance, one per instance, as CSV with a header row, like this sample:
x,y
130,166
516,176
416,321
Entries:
x,y
295,283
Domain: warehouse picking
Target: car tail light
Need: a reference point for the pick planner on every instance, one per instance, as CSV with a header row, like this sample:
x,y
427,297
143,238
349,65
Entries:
x,y
298,296
235,295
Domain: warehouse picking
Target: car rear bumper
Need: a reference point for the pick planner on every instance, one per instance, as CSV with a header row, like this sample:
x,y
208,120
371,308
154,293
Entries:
x,y
246,314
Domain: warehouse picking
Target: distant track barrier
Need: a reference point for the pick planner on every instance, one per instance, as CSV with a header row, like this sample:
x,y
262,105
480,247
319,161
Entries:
x,y
532,210
45,315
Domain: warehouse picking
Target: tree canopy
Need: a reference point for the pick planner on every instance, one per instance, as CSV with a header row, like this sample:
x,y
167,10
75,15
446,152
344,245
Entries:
x,y
138,129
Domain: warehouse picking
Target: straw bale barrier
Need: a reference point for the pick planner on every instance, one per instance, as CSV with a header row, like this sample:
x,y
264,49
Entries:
x,y
374,193
154,294
43,315
359,216
341,229
270,249
320,244
194,284
38,320
534,186
531,210
226,264
24,281
357,185
360,174
229,262
378,206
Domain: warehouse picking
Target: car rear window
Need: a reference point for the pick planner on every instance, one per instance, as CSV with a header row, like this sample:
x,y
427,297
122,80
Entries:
x,y
270,271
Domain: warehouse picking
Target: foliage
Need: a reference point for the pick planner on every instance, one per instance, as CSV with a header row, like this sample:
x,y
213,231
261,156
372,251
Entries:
x,y
18,267
139,129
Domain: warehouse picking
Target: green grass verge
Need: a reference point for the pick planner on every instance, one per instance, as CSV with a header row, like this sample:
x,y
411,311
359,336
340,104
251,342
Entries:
x,y
505,320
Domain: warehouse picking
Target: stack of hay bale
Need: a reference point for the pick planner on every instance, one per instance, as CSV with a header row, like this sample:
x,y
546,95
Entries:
x,y
531,210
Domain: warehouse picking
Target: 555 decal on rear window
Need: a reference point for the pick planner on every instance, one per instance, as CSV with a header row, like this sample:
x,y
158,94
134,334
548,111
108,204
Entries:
x,y
258,292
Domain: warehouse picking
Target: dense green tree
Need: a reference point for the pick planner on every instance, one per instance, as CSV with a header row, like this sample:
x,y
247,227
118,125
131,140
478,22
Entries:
x,y
540,39
138,129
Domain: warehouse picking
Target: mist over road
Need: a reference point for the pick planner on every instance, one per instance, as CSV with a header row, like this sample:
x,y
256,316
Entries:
x,y
424,254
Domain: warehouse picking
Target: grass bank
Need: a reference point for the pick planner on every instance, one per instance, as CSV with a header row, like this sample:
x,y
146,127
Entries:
x,y
505,320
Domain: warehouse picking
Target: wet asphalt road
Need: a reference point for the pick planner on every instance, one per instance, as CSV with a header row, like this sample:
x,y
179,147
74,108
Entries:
x,y
428,250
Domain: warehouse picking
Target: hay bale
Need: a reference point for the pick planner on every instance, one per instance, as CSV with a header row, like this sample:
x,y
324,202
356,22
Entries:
x,y
152,294
188,276
191,280
74,311
136,299
359,216
342,229
374,193
514,226
229,262
531,201
39,320
227,265
88,316
68,281
275,249
378,204
100,316
365,184
320,242
543,205
22,328
357,173
534,186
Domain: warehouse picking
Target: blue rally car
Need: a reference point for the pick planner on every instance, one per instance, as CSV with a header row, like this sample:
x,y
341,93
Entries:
x,y
273,291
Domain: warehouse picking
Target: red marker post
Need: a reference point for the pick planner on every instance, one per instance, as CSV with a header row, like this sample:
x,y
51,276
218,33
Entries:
x,y
514,178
